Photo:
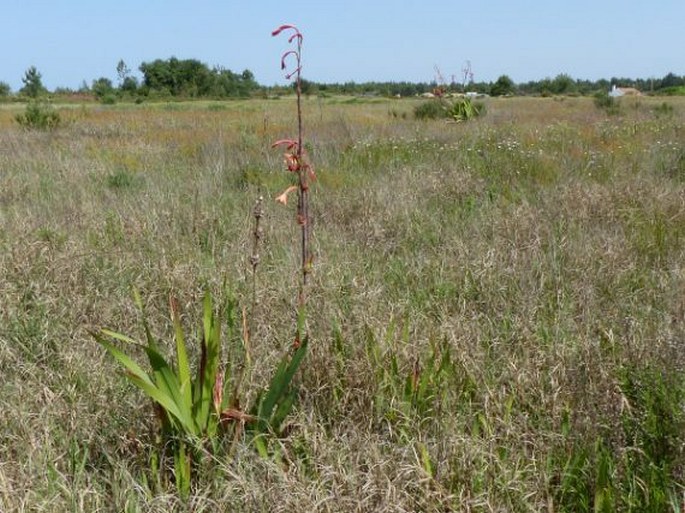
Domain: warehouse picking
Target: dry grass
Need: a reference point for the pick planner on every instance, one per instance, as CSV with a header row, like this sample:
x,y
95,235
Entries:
x,y
541,247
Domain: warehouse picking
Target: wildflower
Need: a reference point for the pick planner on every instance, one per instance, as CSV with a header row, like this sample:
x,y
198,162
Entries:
x,y
286,27
288,143
283,197
292,162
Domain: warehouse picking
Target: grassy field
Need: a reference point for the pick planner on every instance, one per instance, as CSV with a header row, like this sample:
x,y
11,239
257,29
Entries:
x,y
497,308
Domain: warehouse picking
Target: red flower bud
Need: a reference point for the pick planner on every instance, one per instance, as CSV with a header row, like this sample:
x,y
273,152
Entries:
x,y
285,56
288,143
296,35
284,27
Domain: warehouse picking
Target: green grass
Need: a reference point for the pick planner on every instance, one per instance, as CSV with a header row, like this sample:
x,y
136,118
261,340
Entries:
x,y
496,313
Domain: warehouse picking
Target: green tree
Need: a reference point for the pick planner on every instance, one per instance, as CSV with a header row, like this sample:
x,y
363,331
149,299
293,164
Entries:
x,y
33,83
123,72
188,77
5,89
563,84
307,87
102,87
503,86
672,80
38,115
130,85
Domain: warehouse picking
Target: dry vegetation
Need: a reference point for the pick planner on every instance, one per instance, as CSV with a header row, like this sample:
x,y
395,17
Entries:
x,y
497,307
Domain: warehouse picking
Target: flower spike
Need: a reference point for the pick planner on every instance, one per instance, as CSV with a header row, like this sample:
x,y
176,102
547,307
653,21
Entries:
x,y
295,155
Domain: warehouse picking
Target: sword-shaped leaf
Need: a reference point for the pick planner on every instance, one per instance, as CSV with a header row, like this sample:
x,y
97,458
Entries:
x,y
280,383
209,363
119,355
168,382
181,357
139,377
148,334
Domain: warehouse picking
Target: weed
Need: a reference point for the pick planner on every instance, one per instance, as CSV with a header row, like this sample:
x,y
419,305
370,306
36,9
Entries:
x,y
653,421
607,103
108,99
183,405
121,179
39,115
430,110
394,113
195,413
463,109
663,110
459,109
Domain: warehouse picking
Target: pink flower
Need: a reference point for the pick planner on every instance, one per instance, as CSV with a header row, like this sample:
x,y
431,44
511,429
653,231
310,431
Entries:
x,y
283,198
288,143
285,56
292,162
282,28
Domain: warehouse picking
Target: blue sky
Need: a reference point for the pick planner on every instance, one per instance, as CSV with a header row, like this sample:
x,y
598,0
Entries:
x,y
70,41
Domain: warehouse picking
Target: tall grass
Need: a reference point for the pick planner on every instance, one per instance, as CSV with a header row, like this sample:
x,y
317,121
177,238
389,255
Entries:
x,y
499,304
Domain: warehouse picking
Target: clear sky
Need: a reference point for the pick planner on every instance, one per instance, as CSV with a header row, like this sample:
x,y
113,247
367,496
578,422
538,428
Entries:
x,y
70,41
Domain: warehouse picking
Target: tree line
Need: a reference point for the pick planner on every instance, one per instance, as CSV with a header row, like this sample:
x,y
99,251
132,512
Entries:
x,y
562,84
181,78
191,78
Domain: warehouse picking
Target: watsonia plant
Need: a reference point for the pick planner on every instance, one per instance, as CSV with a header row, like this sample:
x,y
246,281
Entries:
x,y
195,411
273,406
190,409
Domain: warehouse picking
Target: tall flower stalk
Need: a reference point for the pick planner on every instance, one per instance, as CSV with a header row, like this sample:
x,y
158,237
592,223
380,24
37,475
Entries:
x,y
296,159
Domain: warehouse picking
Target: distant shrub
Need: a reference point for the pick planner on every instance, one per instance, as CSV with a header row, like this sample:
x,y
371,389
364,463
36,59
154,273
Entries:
x,y
103,90
121,179
663,110
672,91
464,109
396,114
503,87
108,99
39,116
5,90
607,103
214,107
461,109
430,110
